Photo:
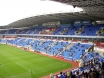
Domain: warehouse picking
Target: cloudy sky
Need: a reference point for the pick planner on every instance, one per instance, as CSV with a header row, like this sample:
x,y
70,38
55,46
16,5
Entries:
x,y
13,10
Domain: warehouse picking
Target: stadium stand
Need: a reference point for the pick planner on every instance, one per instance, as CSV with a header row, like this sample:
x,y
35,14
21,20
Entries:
x,y
69,30
91,62
75,42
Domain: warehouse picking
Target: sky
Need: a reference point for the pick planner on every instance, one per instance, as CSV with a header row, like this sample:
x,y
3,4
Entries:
x,y
13,10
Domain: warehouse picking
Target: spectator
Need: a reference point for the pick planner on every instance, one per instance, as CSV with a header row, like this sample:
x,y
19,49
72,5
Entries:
x,y
102,74
61,75
73,76
56,76
51,75
102,64
93,74
65,75
68,74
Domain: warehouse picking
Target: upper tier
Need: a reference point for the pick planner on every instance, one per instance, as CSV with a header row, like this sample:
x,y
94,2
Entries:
x,y
97,30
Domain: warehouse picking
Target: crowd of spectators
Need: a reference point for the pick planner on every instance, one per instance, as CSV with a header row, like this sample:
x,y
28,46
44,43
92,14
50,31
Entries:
x,y
92,69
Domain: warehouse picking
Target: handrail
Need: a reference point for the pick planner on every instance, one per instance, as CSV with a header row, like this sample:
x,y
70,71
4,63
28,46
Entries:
x,y
44,35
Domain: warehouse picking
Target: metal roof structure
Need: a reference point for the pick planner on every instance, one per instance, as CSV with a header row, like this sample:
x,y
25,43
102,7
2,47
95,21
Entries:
x,y
92,10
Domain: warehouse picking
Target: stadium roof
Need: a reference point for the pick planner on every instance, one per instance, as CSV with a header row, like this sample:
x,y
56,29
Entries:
x,y
92,10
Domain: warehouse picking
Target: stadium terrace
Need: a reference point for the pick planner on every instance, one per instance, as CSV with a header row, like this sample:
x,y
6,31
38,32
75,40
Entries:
x,y
55,45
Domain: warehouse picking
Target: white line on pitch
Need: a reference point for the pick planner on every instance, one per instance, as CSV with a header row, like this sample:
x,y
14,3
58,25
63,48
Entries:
x,y
52,69
24,67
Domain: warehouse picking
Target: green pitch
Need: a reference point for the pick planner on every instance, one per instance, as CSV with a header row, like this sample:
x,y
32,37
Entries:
x,y
17,63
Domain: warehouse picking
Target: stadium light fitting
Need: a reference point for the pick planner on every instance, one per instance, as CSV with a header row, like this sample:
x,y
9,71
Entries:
x,y
98,21
13,10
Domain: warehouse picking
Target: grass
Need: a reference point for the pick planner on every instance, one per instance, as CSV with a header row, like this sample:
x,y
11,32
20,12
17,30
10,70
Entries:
x,y
17,63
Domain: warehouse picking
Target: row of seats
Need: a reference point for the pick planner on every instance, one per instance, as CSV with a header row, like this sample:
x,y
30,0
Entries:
x,y
76,51
73,30
67,50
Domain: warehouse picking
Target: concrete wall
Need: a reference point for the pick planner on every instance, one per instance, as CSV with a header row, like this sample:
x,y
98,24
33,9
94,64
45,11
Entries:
x,y
0,36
